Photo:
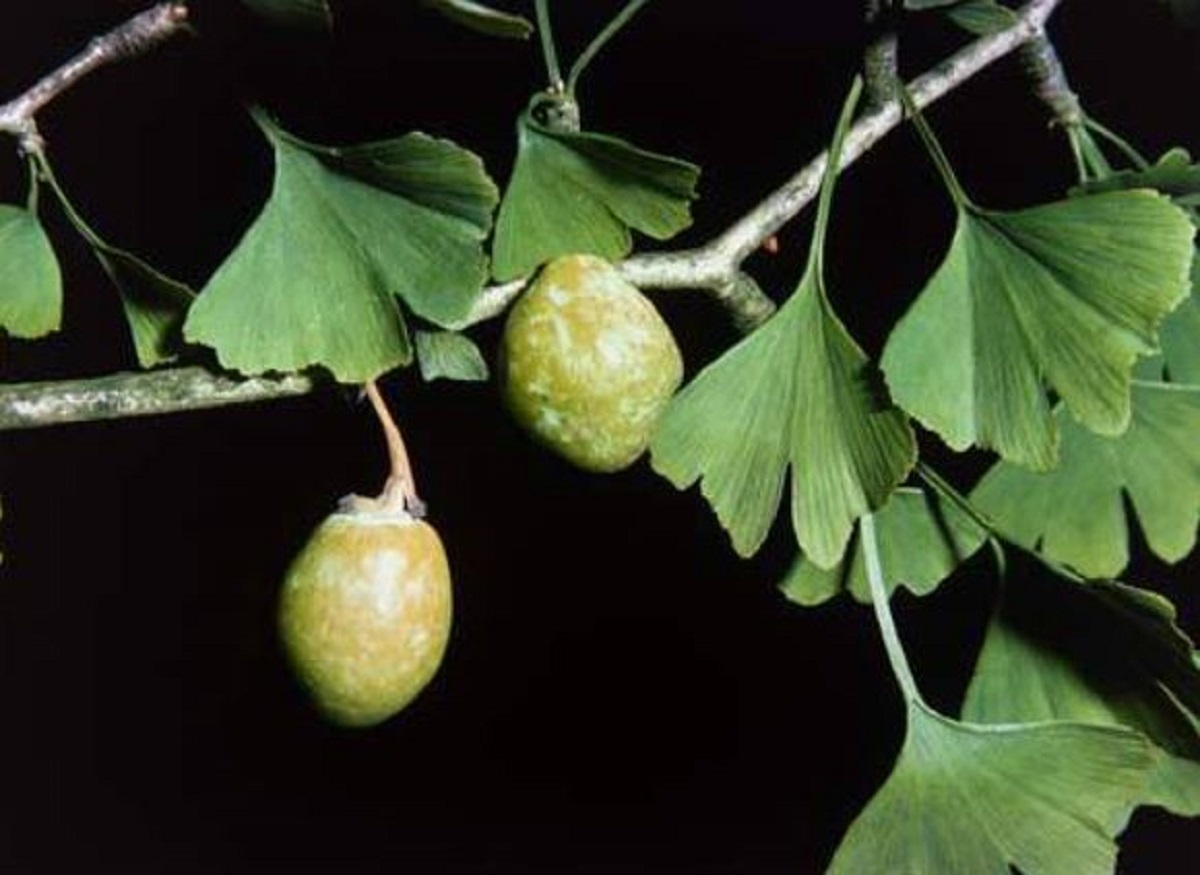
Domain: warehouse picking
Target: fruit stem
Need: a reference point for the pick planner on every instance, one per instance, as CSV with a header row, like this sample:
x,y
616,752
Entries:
x,y
400,487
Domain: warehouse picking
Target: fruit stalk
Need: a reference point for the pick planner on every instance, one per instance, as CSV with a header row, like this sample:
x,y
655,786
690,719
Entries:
x,y
400,488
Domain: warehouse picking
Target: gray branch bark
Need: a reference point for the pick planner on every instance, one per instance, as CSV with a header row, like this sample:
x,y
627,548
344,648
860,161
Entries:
x,y
32,405
714,267
135,37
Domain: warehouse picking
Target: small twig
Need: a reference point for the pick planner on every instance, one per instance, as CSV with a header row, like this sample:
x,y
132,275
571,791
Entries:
x,y
136,36
714,267
881,60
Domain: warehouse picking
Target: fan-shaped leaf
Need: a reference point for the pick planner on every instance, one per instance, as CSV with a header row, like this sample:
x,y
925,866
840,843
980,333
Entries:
x,y
1174,174
922,540
1069,293
1045,798
580,192
484,19
30,280
449,355
155,305
1075,513
311,282
1053,652
981,17
798,391
1180,335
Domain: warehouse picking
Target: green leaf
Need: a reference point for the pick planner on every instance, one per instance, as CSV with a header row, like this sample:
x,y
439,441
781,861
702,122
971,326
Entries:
x,y
484,19
1180,337
922,540
798,391
1075,513
155,305
982,17
449,355
1045,798
1068,293
311,282
30,280
1174,174
310,14
1053,653
579,192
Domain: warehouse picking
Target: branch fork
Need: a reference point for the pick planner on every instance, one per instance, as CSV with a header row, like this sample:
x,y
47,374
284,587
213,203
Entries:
x,y
136,36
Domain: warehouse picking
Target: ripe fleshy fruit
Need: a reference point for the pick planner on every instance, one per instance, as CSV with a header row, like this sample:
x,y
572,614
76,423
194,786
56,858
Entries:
x,y
365,611
588,364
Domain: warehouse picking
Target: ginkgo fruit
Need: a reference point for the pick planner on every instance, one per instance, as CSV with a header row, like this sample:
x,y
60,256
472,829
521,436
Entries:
x,y
365,611
588,364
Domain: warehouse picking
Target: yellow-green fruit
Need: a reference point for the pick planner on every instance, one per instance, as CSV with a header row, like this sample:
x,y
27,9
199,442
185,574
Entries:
x,y
588,364
365,613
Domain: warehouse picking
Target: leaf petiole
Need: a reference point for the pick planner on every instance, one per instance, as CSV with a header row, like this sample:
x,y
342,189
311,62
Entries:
x,y
31,199
1133,155
883,613
549,52
610,30
936,153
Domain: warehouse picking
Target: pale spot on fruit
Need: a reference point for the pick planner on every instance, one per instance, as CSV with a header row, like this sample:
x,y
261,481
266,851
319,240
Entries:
x,y
383,583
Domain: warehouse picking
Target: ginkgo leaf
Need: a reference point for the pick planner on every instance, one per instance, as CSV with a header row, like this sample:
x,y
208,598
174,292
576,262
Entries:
x,y
981,17
294,13
30,279
922,540
1051,654
483,19
1066,294
1046,798
797,392
580,192
313,279
1075,513
1180,335
449,355
1174,174
155,305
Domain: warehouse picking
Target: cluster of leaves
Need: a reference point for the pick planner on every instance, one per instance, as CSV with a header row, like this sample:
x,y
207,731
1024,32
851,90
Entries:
x,y
1063,337
1024,341
356,241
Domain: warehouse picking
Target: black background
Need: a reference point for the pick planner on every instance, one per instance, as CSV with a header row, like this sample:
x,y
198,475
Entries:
x,y
621,694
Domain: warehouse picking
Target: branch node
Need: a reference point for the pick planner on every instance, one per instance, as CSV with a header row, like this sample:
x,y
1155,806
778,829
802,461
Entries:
x,y
1045,69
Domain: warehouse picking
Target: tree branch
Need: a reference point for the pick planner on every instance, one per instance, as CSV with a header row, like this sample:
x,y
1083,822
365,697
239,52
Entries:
x,y
714,267
135,37
31,405
1050,84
